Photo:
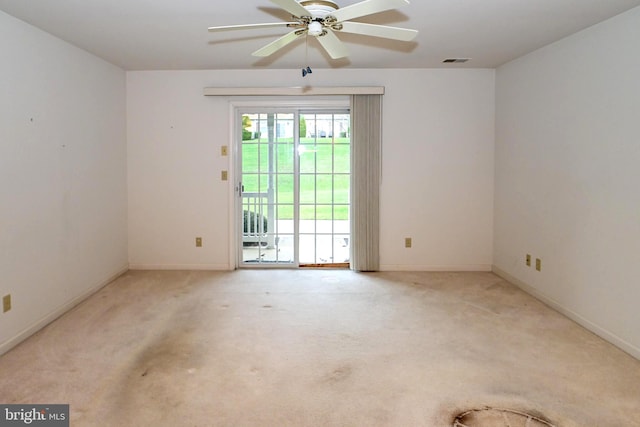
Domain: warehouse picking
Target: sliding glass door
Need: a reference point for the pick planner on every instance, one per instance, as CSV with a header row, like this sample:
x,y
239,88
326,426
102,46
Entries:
x,y
293,183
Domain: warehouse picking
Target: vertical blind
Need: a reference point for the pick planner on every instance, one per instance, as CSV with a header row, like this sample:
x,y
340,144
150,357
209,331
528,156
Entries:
x,y
366,139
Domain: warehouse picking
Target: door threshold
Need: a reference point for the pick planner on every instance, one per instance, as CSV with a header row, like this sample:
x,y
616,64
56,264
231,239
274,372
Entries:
x,y
336,265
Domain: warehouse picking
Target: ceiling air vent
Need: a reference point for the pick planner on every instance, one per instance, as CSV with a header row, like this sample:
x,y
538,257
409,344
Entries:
x,y
455,60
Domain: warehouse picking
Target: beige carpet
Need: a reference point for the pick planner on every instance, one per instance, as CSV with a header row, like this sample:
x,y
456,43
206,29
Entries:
x,y
318,348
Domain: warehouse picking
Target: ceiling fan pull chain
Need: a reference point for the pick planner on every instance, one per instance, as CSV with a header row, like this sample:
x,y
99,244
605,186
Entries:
x,y
307,70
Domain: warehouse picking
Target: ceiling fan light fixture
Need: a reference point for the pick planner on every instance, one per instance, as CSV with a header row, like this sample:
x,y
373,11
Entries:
x,y
315,28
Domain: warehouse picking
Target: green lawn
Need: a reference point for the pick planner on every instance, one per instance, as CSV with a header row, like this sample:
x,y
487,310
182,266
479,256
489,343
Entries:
x,y
324,175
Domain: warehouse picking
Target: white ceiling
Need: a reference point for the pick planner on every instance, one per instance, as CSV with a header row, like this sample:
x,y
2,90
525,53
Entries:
x,y
172,34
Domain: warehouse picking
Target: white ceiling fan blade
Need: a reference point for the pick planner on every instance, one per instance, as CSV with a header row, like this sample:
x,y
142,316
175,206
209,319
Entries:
x,y
293,7
395,33
252,26
278,44
332,44
366,7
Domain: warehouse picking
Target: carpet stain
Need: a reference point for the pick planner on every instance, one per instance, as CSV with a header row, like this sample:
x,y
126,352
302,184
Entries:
x,y
170,352
338,375
156,378
488,416
487,309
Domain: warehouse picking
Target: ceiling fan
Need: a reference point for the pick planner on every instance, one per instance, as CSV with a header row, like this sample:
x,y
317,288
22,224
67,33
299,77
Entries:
x,y
323,19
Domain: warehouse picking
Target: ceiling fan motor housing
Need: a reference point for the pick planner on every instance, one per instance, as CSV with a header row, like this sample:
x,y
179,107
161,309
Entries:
x,y
320,11
319,8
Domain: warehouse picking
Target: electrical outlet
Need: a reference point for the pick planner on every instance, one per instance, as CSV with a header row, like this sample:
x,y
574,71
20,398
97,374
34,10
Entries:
x,y
407,242
198,242
538,264
223,150
528,260
6,303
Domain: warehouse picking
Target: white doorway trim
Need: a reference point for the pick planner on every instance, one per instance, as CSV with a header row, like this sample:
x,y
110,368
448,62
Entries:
x,y
276,102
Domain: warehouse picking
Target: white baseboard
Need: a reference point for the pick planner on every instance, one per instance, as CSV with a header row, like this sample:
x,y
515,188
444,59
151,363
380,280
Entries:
x,y
601,332
435,268
216,267
41,323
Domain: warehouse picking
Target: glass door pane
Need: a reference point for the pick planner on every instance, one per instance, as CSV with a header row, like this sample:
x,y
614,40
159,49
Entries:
x,y
295,180
325,167
269,187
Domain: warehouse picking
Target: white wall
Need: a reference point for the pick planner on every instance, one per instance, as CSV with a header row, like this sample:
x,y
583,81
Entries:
x,y
567,175
62,176
437,164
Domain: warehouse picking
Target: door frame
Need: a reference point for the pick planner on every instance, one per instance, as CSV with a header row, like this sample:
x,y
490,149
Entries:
x,y
279,103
